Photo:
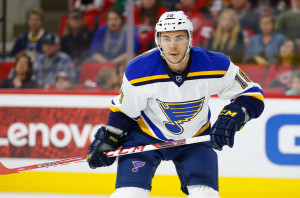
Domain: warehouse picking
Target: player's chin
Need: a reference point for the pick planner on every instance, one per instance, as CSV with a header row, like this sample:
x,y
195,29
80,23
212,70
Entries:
x,y
175,59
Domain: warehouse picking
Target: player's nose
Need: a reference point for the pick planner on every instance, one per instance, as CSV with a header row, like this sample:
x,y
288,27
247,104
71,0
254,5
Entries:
x,y
173,45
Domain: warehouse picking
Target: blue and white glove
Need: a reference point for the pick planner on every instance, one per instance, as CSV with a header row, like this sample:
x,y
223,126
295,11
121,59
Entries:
x,y
231,119
106,139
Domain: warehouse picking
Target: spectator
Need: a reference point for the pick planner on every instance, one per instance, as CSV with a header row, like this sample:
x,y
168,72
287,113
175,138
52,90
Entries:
x,y
146,15
22,75
171,4
228,38
51,62
108,79
264,48
288,21
201,18
31,41
63,82
109,42
295,84
281,6
93,7
248,17
280,74
264,6
120,72
216,7
77,38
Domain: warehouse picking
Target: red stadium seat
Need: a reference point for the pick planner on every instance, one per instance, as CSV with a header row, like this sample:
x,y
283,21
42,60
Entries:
x,y
5,68
90,21
257,73
62,25
90,71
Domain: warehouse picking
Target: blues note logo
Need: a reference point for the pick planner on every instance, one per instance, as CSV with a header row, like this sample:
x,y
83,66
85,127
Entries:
x,y
179,112
137,165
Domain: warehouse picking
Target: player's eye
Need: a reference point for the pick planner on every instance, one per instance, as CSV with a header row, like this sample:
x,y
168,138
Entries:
x,y
166,39
179,39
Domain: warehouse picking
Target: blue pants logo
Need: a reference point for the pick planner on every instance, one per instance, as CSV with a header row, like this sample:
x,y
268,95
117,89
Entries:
x,y
274,151
137,165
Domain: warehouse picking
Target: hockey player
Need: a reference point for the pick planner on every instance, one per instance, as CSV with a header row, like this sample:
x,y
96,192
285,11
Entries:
x,y
164,96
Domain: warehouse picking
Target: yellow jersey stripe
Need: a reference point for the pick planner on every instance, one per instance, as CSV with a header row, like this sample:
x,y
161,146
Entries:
x,y
258,96
165,76
202,129
206,73
114,109
148,78
144,127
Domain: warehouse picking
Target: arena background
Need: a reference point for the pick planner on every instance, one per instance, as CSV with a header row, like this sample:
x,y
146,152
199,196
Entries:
x,y
39,127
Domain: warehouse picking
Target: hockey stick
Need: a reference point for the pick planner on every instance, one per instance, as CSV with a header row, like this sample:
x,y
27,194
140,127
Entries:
x,y
138,149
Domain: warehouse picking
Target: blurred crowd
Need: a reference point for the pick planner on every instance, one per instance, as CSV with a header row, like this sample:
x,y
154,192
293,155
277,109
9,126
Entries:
x,y
260,34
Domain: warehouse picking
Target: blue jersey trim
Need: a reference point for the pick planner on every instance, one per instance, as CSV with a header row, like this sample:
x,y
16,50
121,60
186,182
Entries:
x,y
204,77
157,132
136,118
149,68
254,89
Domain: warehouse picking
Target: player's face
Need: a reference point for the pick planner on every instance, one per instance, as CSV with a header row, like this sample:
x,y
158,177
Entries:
x,y
174,45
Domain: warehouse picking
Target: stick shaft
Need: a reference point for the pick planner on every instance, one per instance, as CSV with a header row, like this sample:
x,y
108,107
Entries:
x,y
156,146
4,170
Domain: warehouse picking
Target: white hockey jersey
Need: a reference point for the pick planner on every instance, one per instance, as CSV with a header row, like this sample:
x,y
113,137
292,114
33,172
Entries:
x,y
169,107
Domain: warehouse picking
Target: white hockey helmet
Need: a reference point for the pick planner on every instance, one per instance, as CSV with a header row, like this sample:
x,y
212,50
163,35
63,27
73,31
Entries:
x,y
174,21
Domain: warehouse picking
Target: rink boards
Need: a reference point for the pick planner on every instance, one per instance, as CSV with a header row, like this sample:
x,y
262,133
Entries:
x,y
36,128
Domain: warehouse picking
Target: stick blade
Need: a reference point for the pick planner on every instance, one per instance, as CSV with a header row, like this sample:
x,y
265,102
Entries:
x,y
4,170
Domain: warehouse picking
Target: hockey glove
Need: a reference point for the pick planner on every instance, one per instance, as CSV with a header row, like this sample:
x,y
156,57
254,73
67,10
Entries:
x,y
106,139
231,119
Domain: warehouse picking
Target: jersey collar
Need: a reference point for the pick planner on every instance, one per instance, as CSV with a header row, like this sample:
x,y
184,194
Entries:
x,y
177,78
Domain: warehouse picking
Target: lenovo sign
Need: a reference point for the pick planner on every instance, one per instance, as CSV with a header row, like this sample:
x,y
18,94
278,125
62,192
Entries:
x,y
47,132
59,135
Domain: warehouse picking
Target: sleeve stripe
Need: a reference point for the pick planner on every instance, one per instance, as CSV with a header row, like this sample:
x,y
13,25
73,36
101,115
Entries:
x,y
254,89
114,109
258,96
